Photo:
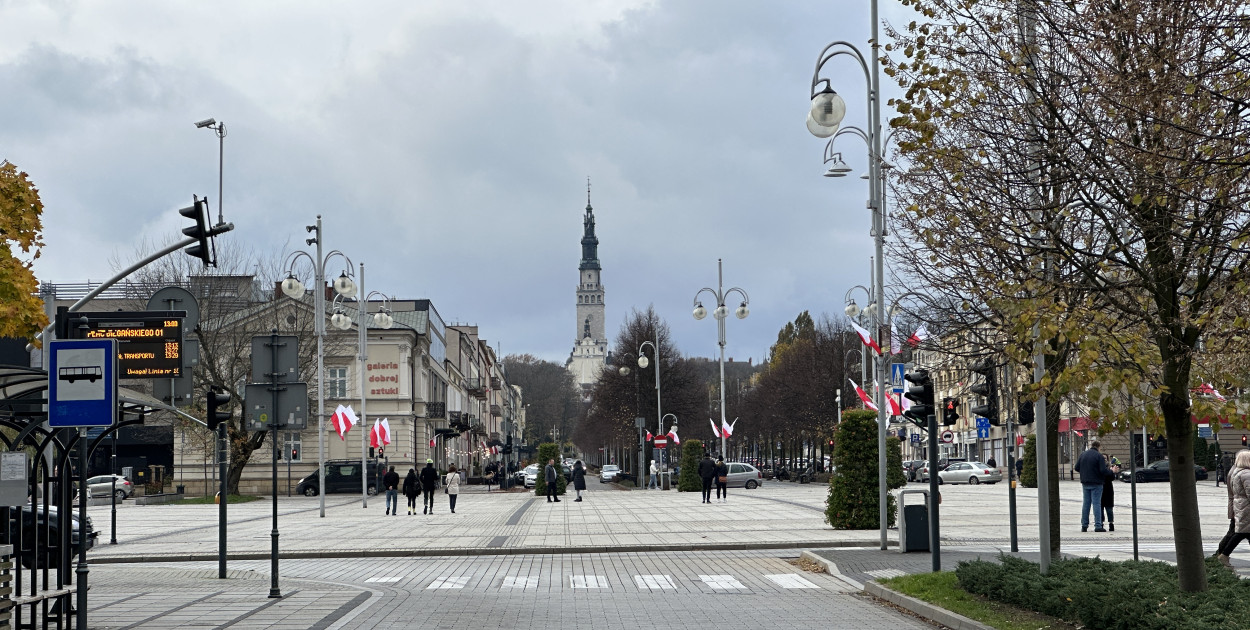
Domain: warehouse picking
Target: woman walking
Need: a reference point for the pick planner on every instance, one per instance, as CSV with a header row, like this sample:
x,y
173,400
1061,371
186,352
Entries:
x,y
1108,493
451,486
722,481
1238,483
412,490
579,480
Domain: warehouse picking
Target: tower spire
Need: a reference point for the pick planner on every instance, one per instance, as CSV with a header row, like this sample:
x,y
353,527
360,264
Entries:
x,y
587,192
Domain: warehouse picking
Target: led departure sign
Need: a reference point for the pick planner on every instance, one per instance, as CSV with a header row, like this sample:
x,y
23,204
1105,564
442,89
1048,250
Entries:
x,y
149,343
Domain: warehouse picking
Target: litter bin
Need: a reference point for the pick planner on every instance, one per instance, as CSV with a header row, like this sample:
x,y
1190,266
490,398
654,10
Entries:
x,y
665,480
913,522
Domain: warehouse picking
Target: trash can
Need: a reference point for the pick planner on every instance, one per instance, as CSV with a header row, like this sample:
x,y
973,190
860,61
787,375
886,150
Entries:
x,y
913,522
665,480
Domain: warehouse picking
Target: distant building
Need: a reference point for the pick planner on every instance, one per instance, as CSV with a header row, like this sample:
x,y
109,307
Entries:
x,y
590,346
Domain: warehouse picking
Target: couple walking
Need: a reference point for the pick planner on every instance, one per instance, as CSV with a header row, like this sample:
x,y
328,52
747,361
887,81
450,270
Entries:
x,y
550,476
422,485
1097,487
717,472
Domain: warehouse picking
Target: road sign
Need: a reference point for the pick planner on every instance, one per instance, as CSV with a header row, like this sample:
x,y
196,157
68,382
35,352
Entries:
x,y
983,423
915,438
897,370
177,299
149,343
1204,431
661,442
292,412
82,382
983,432
948,437
275,355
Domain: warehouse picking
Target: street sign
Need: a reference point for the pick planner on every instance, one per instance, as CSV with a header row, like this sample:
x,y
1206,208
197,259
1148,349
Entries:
x,y
284,362
177,299
640,422
915,438
983,432
897,370
292,411
983,423
1204,431
661,442
149,343
82,382
948,437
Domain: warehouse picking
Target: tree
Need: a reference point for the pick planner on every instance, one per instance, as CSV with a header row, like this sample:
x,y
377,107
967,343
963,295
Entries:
x,y
691,455
551,397
547,452
1078,180
1028,474
21,310
853,487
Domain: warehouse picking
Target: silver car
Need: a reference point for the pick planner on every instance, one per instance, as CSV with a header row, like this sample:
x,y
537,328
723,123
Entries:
x,y
609,472
531,475
969,472
102,486
743,476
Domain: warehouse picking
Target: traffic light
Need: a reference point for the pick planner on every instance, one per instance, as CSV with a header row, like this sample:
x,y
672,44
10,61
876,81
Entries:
x,y
1025,413
988,389
381,452
294,453
217,400
371,453
921,396
507,446
198,212
1243,440
950,411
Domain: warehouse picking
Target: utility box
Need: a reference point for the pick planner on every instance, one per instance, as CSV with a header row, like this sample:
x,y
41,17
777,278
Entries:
x,y
913,522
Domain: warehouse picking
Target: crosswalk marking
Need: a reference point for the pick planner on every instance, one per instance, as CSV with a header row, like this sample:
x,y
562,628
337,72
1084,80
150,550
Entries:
x,y
790,580
886,573
654,582
385,579
513,581
721,582
588,581
449,582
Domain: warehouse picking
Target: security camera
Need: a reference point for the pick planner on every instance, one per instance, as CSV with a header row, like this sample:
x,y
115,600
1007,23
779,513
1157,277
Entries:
x,y
205,123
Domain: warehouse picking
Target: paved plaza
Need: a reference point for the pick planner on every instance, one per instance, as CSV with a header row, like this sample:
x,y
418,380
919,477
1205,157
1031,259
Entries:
x,y
621,558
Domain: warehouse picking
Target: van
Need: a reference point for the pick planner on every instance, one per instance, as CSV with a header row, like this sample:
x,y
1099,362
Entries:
x,y
342,475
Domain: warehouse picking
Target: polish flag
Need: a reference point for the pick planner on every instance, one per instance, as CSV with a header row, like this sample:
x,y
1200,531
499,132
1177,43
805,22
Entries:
x,y
1207,390
863,396
865,337
715,431
343,420
920,335
894,348
431,442
649,436
673,434
380,435
728,429
895,408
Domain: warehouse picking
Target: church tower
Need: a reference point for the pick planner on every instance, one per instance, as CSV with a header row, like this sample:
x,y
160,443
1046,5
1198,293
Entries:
x,y
590,346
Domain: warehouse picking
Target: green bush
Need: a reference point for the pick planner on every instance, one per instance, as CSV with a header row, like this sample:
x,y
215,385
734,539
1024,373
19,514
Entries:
x,y
548,452
691,455
1028,474
853,487
1099,594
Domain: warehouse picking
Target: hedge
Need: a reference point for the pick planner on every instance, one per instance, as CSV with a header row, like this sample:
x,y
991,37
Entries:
x,y
853,488
691,455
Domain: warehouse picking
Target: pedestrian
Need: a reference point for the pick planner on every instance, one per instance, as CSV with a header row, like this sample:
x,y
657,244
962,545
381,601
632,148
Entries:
x,y
1094,471
412,489
1238,482
1219,473
1108,493
992,463
429,481
490,475
451,486
390,481
549,475
579,480
1019,467
722,481
707,471
655,475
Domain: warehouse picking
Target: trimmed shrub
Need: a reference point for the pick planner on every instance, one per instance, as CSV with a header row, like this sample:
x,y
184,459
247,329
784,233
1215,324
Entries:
x,y
853,488
1028,474
691,455
1098,594
548,452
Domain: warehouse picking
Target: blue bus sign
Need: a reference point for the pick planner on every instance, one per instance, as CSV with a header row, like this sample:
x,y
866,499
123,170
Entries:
x,y
82,382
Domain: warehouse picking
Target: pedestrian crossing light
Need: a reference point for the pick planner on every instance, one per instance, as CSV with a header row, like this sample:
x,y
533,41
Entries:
x,y
987,389
294,453
950,411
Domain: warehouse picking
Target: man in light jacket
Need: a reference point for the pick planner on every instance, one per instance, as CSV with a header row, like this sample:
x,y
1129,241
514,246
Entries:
x,y
655,474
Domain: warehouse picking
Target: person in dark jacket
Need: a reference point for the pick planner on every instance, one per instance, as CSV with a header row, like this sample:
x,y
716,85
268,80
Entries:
x,y
390,481
579,480
549,476
429,481
412,489
1108,494
1094,472
722,481
707,471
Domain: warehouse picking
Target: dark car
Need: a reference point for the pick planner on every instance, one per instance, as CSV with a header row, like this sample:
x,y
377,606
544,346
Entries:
x,y
1159,471
30,533
342,475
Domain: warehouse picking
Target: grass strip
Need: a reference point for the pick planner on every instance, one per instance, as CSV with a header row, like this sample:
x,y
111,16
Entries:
x,y
942,589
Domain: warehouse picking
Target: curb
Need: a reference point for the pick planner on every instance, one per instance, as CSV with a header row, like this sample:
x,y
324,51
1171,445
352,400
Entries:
x,y
475,551
924,609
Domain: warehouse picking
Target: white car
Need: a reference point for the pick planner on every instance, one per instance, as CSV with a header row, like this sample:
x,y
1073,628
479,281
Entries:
x,y
609,472
531,475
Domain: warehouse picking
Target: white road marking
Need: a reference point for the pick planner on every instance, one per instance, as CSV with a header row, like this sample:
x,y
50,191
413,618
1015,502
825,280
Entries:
x,y
653,582
790,580
722,582
512,581
449,582
588,581
886,573
384,579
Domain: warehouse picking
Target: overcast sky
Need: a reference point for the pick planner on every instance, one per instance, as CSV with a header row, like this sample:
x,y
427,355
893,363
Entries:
x,y
447,146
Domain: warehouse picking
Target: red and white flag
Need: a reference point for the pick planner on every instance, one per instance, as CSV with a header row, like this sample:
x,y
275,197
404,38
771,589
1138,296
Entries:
x,y
865,337
895,408
673,434
649,436
715,431
380,435
728,429
343,420
863,396
431,442
1206,389
917,337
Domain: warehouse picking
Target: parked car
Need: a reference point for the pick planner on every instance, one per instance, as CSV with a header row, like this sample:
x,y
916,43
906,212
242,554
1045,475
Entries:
x,y
1159,471
531,475
610,472
969,472
742,475
910,467
922,473
102,485
342,475
30,533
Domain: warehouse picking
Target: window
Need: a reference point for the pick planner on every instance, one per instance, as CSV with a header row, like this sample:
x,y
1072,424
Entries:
x,y
736,468
292,446
336,382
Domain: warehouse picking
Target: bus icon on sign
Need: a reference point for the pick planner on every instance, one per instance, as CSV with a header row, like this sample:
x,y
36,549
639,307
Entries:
x,y
90,373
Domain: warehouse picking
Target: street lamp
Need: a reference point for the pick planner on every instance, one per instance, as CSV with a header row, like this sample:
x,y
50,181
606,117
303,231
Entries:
x,y
853,311
643,362
721,313
218,128
381,319
827,112
294,289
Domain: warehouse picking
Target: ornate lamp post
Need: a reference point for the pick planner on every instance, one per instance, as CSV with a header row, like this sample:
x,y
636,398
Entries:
x,y
721,313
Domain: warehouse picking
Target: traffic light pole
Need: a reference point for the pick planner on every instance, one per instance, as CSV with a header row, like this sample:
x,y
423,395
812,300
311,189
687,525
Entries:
x,y
1011,458
221,499
935,499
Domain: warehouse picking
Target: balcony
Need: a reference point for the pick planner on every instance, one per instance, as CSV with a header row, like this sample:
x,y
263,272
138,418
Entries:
x,y
478,429
436,410
458,420
496,411
494,382
476,387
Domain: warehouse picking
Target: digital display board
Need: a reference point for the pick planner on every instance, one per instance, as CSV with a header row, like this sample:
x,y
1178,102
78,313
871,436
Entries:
x,y
149,343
